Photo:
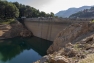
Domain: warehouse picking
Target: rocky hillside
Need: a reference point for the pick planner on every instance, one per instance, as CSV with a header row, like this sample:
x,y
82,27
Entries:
x,y
13,30
73,33
74,44
80,52
86,13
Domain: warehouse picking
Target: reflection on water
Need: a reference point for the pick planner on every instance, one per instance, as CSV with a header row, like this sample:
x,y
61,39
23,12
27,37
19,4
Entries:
x,y
22,50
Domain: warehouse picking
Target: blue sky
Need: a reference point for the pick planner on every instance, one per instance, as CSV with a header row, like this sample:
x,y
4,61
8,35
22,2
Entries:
x,y
55,5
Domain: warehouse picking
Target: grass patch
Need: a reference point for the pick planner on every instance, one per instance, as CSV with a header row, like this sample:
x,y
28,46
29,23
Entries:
x,y
7,21
76,47
88,59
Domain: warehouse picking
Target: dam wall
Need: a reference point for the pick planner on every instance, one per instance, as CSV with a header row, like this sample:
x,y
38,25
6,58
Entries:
x,y
48,28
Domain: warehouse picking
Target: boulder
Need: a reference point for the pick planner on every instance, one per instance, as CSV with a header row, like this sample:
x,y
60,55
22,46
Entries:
x,y
59,59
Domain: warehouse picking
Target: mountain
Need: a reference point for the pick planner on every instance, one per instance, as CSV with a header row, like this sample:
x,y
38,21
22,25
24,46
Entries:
x,y
70,11
86,13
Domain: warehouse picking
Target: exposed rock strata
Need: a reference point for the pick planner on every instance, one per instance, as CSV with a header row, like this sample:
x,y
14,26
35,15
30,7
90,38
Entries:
x,y
75,44
14,30
80,52
73,33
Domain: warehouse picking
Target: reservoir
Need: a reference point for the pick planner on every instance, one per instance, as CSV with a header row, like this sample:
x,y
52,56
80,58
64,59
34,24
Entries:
x,y
23,50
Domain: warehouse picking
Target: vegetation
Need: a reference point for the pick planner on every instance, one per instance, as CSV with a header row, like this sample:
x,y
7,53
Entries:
x,y
29,12
7,21
12,10
86,13
88,59
8,10
3,0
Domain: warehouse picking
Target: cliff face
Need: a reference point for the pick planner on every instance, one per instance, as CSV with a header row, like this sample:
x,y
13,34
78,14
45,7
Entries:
x,y
13,30
73,33
75,44
80,52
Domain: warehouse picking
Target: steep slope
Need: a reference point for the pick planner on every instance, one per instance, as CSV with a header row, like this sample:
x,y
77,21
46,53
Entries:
x,y
75,44
80,52
70,11
72,34
13,30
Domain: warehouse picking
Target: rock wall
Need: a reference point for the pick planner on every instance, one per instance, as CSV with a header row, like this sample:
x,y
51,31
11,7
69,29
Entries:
x,y
74,44
73,33
80,52
13,30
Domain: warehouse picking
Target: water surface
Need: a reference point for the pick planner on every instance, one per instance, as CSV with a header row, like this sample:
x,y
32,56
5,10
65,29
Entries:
x,y
23,50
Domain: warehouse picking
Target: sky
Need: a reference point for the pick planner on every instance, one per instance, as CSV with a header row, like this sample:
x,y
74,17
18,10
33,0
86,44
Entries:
x,y
55,5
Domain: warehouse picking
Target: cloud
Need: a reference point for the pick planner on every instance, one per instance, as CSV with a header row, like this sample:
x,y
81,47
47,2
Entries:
x,y
36,3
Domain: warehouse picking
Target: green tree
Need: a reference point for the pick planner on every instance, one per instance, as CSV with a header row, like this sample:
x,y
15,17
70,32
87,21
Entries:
x,y
11,11
17,4
42,14
30,12
52,14
3,0
2,8
8,10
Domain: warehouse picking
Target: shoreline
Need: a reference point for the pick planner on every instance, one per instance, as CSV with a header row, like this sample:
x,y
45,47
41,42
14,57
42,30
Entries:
x,y
14,37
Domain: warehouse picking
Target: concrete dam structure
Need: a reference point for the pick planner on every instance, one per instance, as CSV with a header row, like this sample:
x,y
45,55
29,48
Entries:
x,y
48,28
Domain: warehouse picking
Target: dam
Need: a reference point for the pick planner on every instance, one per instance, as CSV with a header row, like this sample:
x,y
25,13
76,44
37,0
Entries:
x,y
49,28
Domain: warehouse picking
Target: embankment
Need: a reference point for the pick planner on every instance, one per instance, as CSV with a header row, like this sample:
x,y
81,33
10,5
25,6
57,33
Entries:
x,y
13,30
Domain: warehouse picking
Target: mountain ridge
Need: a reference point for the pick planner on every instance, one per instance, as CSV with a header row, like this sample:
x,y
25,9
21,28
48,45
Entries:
x,y
70,11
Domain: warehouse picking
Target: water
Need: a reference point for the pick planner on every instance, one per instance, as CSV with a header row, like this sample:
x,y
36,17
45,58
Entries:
x,y
23,50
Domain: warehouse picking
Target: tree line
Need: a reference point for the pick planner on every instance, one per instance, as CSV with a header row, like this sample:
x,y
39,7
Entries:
x,y
9,10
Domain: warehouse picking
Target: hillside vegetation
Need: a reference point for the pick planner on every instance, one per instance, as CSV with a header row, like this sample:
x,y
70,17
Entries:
x,y
86,13
13,10
70,11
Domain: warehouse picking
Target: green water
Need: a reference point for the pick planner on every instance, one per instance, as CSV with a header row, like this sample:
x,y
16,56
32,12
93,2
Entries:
x,y
23,50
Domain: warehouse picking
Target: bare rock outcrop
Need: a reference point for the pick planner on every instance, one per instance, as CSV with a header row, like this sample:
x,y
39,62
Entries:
x,y
80,52
53,59
73,33
14,30
74,44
